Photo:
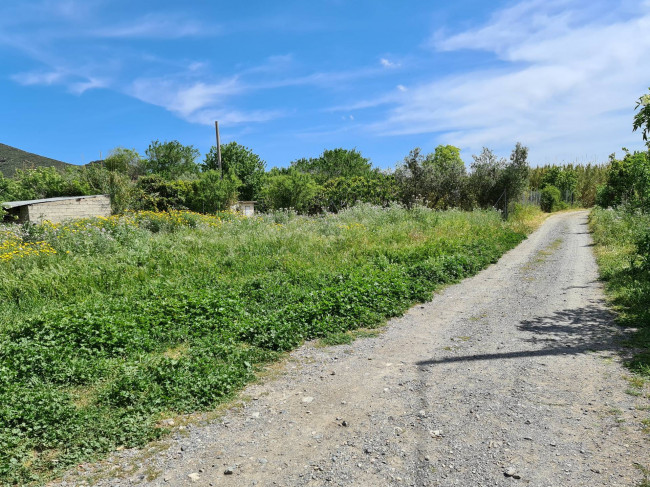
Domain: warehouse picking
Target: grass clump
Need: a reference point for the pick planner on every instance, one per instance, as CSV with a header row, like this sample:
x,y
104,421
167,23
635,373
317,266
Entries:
x,y
136,317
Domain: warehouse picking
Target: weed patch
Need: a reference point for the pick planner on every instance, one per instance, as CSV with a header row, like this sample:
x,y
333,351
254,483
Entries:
x,y
618,236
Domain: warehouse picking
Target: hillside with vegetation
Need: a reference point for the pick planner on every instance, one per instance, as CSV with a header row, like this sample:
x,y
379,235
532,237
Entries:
x,y
12,159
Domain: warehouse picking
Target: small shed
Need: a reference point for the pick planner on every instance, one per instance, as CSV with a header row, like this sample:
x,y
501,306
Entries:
x,y
57,210
245,207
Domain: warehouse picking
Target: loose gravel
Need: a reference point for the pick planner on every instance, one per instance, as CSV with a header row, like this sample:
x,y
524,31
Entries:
x,y
512,377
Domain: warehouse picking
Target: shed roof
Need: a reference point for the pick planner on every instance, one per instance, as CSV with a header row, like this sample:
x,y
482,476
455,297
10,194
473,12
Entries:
x,y
15,204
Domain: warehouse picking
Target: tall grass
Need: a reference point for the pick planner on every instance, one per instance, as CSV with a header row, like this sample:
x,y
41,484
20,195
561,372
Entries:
x,y
625,267
135,318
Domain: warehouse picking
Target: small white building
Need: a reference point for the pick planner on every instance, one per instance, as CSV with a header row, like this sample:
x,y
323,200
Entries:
x,y
247,208
57,210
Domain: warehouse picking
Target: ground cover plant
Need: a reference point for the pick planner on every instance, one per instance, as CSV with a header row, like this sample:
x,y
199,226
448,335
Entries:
x,y
622,241
109,325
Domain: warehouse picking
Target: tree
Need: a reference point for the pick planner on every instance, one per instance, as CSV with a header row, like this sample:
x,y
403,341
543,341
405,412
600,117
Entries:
x,y
247,166
171,159
492,176
628,182
448,180
642,119
333,164
515,177
563,178
439,179
485,178
125,161
413,178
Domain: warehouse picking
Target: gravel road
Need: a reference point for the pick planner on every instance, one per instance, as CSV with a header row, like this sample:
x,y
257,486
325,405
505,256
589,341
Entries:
x,y
512,377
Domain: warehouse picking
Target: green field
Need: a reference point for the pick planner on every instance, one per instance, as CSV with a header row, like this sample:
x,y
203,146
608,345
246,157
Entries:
x,y
110,325
624,263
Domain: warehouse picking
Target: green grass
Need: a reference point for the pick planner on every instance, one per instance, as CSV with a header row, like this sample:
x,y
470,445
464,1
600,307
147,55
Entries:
x,y
138,319
625,270
12,159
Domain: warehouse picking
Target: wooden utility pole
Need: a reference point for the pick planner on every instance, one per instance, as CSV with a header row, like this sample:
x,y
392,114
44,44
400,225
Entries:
x,y
216,127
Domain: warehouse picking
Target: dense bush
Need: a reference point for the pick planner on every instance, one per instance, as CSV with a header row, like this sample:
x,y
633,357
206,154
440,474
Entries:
x,y
550,199
207,193
290,189
340,193
628,182
213,192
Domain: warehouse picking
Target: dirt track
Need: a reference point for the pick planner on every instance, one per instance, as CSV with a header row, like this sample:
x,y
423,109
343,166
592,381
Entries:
x,y
512,377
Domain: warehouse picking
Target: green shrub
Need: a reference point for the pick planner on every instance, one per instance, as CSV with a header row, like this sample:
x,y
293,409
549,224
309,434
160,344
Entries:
x,y
340,193
643,249
295,189
628,182
550,199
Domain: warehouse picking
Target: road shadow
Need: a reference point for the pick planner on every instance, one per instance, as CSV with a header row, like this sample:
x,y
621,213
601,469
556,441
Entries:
x,y
566,332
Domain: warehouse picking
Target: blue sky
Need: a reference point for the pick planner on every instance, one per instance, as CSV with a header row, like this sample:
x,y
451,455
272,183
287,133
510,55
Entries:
x,y
289,79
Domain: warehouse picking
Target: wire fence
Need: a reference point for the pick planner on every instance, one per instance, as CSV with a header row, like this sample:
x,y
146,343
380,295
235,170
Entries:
x,y
534,197
528,198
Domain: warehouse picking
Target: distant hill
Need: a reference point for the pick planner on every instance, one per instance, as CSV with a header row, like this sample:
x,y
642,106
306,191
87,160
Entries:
x,y
12,159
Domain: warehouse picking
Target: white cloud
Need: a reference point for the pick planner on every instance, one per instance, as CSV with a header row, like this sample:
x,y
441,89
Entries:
x,y
75,84
567,84
38,78
197,101
402,88
80,87
387,64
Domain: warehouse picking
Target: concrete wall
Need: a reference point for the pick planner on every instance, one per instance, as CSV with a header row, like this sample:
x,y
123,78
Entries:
x,y
57,211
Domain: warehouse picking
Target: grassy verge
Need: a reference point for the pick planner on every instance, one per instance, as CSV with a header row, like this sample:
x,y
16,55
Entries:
x,y
624,267
110,325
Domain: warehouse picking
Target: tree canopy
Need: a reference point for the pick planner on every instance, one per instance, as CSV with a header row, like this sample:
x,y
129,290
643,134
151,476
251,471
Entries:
x,y
333,164
246,165
171,159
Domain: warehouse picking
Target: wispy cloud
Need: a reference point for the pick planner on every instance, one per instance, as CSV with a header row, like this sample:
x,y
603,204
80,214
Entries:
x,y
567,84
198,101
80,87
156,26
38,78
75,84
